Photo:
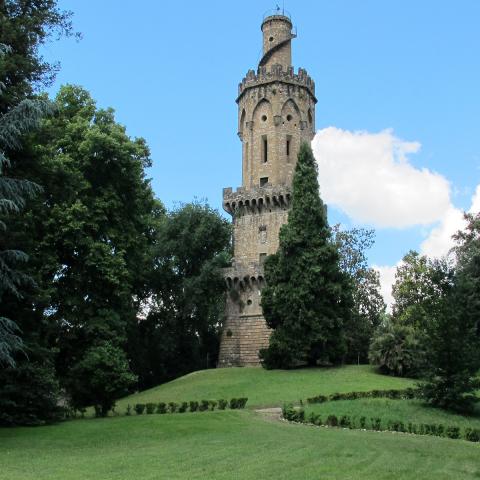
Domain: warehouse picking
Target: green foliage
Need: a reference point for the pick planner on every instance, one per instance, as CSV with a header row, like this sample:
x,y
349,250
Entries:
x,y
222,404
193,406
368,304
183,407
204,406
397,349
29,394
420,285
100,378
453,352
307,299
162,408
150,408
139,408
25,26
181,332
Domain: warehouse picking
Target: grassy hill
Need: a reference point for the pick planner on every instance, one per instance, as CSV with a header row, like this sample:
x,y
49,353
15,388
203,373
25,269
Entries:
x,y
266,387
242,444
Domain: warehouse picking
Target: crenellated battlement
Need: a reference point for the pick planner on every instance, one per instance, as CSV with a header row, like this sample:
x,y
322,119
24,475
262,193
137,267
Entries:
x,y
256,200
244,276
276,73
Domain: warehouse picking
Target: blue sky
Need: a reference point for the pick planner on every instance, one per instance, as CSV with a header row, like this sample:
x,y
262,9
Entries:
x,y
171,70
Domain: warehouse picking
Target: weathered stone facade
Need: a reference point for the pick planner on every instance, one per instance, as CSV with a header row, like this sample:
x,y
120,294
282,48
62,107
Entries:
x,y
276,112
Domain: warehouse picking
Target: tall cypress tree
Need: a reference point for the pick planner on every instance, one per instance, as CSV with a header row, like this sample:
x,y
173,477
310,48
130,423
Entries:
x,y
307,299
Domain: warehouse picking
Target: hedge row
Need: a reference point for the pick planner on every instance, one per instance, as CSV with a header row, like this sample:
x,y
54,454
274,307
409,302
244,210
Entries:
x,y
407,393
193,406
439,430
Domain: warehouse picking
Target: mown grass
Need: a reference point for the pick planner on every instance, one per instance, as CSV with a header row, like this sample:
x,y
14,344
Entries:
x,y
224,446
266,387
413,411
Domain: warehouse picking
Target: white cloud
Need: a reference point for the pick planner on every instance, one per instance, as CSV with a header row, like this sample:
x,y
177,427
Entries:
x,y
439,240
387,278
475,208
368,176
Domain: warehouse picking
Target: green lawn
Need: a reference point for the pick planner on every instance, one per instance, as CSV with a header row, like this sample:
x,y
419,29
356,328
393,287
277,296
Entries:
x,y
413,411
266,387
225,445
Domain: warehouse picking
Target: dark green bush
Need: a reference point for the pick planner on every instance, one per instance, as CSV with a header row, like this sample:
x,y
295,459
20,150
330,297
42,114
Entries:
x,y
222,404
212,404
193,406
242,402
233,403
161,407
150,407
139,408
203,405
128,412
183,407
472,434
452,432
332,421
376,423
345,421
172,407
317,399
363,422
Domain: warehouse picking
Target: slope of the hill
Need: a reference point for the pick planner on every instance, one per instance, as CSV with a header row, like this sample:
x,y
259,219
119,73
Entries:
x,y
266,387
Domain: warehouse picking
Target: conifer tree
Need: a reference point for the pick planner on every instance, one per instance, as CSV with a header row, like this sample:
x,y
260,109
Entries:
x,y
307,299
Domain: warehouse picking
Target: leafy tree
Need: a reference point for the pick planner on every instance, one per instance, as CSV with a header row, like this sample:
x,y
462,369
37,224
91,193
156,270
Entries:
x,y
29,393
99,378
453,352
90,233
181,331
308,299
368,303
397,349
420,284
26,25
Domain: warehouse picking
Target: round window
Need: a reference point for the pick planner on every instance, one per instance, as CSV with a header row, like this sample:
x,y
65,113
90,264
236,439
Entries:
x,y
264,118
270,39
249,302
289,117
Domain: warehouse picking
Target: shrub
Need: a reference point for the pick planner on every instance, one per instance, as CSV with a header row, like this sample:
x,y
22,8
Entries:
x,y
212,404
100,377
193,406
317,399
332,421
172,407
363,422
242,402
150,408
452,432
139,408
222,404
345,421
472,434
128,412
376,423
183,407
203,405
162,407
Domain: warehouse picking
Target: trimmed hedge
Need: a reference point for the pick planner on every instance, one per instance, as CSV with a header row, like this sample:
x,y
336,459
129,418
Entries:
x,y
405,394
192,406
292,414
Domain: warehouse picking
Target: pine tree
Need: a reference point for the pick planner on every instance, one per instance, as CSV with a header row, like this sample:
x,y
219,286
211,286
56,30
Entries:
x,y
307,299
19,120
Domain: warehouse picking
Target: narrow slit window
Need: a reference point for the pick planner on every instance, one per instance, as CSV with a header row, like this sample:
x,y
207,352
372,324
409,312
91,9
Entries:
x,y
265,149
263,181
288,146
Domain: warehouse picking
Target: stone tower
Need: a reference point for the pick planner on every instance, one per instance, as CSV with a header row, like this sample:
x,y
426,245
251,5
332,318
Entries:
x,y
276,112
